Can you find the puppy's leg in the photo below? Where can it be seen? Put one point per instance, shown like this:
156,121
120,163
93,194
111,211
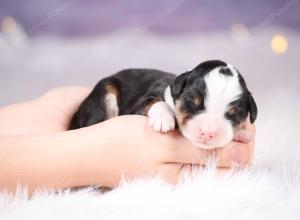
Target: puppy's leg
111,101
161,117
100,105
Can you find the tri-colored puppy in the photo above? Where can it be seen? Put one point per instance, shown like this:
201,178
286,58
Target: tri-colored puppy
208,104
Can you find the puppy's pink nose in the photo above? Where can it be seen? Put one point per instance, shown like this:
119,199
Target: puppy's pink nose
207,135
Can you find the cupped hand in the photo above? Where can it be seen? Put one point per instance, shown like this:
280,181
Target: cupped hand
130,148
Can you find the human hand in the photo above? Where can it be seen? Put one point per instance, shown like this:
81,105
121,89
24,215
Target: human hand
46,114
133,149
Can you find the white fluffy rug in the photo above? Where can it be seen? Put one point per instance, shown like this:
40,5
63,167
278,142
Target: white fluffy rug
255,194
269,190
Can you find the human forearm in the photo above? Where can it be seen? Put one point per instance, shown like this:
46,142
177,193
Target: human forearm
55,161
93,155
37,161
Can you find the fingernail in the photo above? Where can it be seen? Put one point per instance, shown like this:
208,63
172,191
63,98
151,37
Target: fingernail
239,155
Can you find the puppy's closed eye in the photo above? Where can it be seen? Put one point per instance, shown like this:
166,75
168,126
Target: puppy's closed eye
232,111
198,101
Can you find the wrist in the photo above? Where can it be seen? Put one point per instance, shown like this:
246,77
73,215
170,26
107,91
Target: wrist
95,146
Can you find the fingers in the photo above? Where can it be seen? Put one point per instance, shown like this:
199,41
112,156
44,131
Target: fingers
250,143
243,144
246,133
249,127
243,136
67,98
234,154
180,150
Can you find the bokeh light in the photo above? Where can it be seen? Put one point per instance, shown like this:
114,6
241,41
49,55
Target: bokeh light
8,24
239,32
279,44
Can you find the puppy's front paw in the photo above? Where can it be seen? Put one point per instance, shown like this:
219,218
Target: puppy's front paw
161,118
243,135
162,123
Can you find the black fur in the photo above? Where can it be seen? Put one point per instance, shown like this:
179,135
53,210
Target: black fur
207,66
137,88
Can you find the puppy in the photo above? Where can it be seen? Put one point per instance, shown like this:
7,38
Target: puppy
208,104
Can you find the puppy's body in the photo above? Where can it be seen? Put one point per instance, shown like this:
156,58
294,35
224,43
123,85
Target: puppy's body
127,92
208,103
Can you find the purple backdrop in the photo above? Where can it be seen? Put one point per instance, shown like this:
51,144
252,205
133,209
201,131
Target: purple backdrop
79,17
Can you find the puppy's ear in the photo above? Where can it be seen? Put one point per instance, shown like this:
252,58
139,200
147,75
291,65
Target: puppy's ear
178,85
252,108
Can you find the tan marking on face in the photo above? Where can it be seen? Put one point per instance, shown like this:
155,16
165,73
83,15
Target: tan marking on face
181,115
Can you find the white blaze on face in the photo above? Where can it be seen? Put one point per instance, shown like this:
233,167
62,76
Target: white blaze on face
211,127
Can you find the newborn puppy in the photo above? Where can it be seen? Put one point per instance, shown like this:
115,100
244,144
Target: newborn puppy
208,104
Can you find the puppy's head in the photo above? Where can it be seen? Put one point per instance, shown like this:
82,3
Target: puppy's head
210,102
